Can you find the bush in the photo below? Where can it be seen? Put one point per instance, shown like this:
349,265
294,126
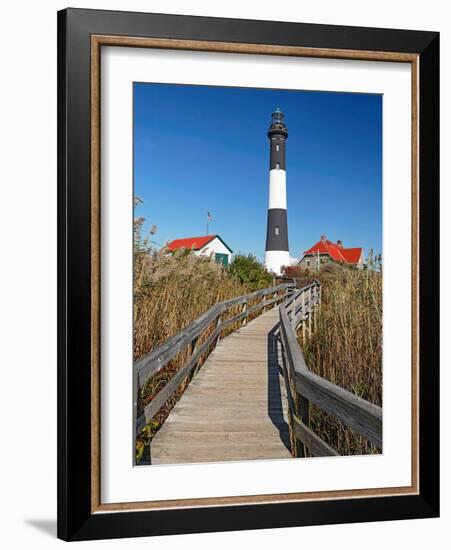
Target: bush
250,272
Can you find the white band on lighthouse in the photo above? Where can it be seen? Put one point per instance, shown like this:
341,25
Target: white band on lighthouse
277,189
276,259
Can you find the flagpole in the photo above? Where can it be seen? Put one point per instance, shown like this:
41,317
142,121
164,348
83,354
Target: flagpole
209,219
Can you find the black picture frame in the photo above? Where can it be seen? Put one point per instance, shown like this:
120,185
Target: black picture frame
76,520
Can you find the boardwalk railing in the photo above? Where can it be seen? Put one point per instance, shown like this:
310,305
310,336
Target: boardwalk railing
304,387
198,339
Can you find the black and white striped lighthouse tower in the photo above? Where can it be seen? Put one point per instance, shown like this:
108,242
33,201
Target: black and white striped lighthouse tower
277,253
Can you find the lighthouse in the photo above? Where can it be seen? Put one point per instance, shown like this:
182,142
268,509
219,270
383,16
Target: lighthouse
276,252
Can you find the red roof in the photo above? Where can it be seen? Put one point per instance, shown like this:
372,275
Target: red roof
336,251
352,255
191,243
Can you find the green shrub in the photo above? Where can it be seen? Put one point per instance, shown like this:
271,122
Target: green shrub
250,272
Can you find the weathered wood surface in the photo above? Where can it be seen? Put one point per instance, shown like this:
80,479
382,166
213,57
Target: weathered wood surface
253,389
154,361
150,363
302,432
235,408
358,414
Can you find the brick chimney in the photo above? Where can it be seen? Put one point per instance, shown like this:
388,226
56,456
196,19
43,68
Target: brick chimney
340,243
323,238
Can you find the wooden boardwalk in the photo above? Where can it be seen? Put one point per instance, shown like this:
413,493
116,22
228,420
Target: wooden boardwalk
243,398
235,408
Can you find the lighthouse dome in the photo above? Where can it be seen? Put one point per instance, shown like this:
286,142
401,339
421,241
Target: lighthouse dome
277,127
278,117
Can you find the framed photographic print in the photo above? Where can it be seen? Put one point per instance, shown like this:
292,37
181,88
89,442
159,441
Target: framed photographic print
248,274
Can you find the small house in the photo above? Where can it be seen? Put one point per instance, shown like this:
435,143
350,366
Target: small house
208,245
325,251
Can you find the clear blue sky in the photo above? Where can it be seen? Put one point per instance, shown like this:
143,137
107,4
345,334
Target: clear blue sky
202,148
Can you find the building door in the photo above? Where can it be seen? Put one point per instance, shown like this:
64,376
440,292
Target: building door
222,259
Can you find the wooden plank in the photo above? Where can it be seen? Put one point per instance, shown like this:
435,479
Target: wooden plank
302,302
166,393
234,409
246,313
358,414
154,361
247,421
315,444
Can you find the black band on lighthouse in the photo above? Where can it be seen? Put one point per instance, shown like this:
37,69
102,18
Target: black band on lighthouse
277,153
277,229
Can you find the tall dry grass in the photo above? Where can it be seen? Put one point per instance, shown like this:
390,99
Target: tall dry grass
347,349
171,291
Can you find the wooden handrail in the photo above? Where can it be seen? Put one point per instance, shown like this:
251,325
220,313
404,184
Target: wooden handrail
303,385
151,363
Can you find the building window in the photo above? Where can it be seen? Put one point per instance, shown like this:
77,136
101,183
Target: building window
276,230
277,147
277,165
308,263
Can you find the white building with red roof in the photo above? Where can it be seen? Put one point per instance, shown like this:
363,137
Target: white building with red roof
325,251
207,245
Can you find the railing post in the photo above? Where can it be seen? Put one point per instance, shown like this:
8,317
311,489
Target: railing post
244,322
304,316
302,411
304,415
193,344
135,410
314,306
310,314
196,366
318,303
298,447
292,403
293,313
218,322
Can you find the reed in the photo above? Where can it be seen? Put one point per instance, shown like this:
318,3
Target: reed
171,290
347,349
